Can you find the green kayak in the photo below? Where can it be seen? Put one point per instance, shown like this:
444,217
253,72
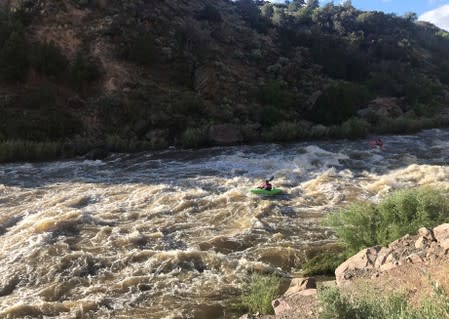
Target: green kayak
264,192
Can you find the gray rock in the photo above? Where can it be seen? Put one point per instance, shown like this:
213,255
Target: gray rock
382,107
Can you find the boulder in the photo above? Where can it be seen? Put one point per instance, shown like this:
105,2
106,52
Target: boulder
362,261
382,107
97,154
280,306
421,243
426,233
301,304
225,134
300,284
441,234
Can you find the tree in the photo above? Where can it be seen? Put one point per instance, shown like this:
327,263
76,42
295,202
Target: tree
251,14
295,5
14,57
248,9
209,13
267,10
411,16
347,4
48,58
313,4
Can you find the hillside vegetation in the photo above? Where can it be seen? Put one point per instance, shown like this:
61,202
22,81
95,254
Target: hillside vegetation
133,75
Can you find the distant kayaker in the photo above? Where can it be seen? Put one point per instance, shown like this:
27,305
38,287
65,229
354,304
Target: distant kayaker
380,143
377,143
266,185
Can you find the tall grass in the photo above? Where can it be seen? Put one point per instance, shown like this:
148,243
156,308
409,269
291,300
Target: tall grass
18,150
365,224
262,290
334,305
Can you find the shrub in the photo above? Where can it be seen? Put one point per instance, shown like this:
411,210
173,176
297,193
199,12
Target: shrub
334,305
194,137
323,264
383,84
421,89
399,125
338,103
355,128
274,94
286,131
143,50
39,118
319,131
40,97
365,224
116,143
20,150
262,290
252,15
337,306
84,70
48,58
14,57
209,13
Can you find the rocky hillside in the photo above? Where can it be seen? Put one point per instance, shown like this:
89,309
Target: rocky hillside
135,74
411,265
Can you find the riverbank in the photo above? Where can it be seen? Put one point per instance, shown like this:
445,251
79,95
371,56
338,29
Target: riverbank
229,135
406,279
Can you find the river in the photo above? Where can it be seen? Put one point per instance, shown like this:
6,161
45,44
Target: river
175,234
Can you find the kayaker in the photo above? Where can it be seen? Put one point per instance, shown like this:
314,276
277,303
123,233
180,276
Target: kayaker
380,143
266,185
377,143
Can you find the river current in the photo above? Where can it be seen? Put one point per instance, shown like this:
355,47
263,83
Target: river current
175,234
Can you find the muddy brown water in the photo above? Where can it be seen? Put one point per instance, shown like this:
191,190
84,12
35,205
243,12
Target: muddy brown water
175,234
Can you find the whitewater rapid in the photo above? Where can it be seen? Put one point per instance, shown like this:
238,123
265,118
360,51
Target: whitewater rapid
175,234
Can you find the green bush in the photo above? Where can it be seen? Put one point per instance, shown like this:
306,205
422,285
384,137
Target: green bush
116,143
324,263
84,70
39,118
48,58
209,13
403,212
20,150
338,103
337,306
251,14
14,62
334,305
400,125
262,290
355,128
286,131
421,89
143,50
194,137
275,94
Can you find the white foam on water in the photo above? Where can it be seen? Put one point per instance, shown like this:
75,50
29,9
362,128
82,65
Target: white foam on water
168,230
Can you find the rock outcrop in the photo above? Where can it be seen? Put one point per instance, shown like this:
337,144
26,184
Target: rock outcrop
409,257
425,247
